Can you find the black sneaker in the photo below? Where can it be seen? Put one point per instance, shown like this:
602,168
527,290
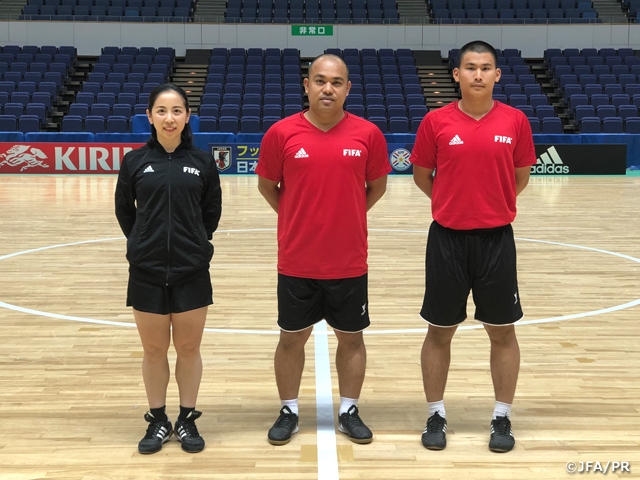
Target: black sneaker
188,435
157,434
502,439
434,436
285,426
351,424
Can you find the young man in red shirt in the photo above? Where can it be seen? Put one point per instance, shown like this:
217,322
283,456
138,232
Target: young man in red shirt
481,152
321,170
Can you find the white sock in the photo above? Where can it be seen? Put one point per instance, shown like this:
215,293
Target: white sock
502,410
437,407
292,404
346,403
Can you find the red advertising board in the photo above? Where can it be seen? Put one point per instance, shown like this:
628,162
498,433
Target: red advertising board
65,158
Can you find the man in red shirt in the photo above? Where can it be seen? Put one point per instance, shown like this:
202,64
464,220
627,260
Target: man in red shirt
481,152
321,170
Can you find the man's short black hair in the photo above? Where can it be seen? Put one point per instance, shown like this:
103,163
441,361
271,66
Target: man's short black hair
477,46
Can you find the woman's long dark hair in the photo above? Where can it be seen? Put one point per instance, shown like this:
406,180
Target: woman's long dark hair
186,137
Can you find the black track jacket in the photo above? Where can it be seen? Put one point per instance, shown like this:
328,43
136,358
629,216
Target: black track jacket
168,206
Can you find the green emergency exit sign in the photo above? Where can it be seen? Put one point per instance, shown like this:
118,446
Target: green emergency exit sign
312,30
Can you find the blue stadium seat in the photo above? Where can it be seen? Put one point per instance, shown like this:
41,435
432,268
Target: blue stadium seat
117,124
29,123
592,89
79,110
21,97
15,109
632,125
590,125
398,125
94,124
37,109
128,99
208,124
583,111
121,110
627,111
72,123
250,124
113,88
544,111
612,125
538,99
7,87
620,99
604,111
33,77
269,121
43,98
8,123
228,124
100,109
380,122
107,98
551,125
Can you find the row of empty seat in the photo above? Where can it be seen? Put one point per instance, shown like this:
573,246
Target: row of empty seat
107,10
512,11
515,4
311,11
521,15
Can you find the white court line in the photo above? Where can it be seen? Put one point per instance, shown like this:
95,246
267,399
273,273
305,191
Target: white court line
49,247
327,451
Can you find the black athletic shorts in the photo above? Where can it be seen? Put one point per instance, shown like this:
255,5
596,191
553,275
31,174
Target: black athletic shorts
166,299
482,261
343,303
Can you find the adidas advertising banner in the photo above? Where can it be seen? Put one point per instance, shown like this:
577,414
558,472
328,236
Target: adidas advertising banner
52,158
571,159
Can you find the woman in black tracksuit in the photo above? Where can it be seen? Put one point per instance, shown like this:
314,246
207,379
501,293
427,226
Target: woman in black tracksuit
168,204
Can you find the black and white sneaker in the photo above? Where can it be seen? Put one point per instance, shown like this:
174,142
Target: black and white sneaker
188,435
502,439
286,425
351,424
157,434
434,436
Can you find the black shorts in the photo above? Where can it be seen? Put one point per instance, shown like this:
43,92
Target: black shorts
343,303
482,261
166,299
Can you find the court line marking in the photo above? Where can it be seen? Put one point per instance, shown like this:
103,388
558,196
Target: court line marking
326,430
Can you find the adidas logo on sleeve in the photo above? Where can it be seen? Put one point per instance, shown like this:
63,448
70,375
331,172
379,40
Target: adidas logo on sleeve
301,154
456,141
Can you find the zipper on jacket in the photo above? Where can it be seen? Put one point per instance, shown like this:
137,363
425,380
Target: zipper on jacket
168,221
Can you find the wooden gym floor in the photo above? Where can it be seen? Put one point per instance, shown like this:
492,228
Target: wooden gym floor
71,392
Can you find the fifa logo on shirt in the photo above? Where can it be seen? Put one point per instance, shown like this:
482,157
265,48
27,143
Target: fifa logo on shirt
348,152
191,170
501,139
